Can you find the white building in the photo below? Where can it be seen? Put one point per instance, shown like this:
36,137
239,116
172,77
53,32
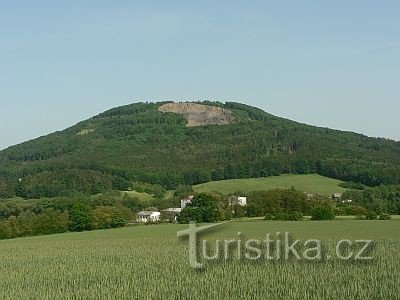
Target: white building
148,216
240,201
186,201
171,214
337,196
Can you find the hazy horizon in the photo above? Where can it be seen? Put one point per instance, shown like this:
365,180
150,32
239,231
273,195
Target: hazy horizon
333,65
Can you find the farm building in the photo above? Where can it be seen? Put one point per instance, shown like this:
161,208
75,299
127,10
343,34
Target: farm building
235,200
186,201
337,196
148,216
170,214
309,196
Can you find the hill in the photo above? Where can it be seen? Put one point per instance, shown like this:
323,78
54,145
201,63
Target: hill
310,183
169,144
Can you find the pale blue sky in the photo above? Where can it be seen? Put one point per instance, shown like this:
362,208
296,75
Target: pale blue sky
328,63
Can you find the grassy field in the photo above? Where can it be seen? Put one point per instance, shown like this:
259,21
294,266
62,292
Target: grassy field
311,183
143,197
148,262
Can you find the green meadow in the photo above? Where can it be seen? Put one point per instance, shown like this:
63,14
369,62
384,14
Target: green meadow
143,197
310,183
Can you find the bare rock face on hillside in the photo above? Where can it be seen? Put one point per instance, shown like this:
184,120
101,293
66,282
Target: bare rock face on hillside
199,114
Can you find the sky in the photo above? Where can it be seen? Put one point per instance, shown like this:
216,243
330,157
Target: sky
328,63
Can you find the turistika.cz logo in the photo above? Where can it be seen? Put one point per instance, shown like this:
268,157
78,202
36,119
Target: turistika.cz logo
274,247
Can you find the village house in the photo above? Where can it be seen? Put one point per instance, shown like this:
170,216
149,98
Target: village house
148,216
170,214
308,195
237,201
186,201
337,196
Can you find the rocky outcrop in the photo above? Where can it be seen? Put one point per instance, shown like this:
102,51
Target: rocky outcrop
199,114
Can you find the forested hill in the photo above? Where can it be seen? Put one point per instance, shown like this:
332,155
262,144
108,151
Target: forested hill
143,143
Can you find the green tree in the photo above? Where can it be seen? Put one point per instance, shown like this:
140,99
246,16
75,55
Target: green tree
371,215
183,190
190,214
117,219
385,217
203,209
295,216
322,213
80,217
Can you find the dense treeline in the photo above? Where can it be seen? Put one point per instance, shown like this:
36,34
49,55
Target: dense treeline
20,218
110,209
115,209
382,199
30,224
276,204
53,184
292,205
282,201
362,201
136,143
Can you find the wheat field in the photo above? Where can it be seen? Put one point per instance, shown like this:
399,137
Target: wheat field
149,262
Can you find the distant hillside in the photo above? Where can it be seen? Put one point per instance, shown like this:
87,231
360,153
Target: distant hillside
146,143
310,183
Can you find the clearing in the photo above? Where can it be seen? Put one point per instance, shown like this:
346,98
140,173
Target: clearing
310,183
200,114
143,197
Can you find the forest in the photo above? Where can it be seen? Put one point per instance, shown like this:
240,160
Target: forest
137,143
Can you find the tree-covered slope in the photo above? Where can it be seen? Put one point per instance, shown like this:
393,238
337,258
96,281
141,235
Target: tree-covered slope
139,143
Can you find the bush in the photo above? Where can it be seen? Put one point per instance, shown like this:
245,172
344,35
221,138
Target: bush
371,215
353,185
385,217
340,211
104,217
269,217
355,210
253,211
295,216
282,216
322,213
